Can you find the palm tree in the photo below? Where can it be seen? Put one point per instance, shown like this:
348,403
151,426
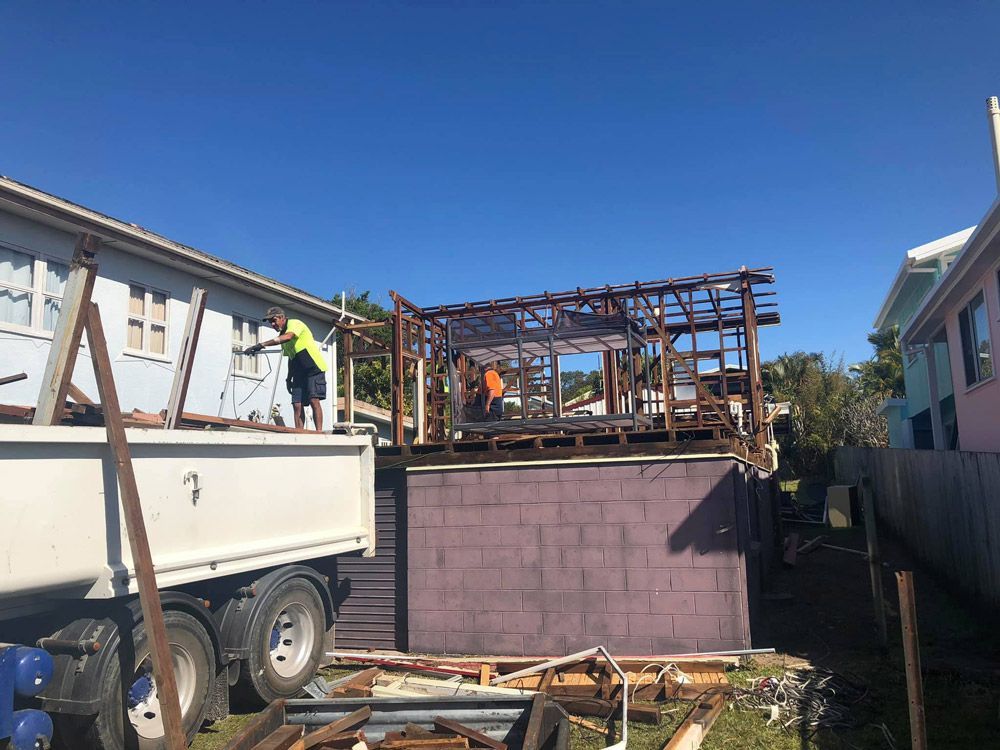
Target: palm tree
883,373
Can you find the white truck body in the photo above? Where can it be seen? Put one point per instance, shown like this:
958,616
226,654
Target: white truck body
215,503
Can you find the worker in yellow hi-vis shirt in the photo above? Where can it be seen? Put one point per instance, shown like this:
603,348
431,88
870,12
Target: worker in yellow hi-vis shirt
306,379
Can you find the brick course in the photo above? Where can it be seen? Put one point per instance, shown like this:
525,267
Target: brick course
548,560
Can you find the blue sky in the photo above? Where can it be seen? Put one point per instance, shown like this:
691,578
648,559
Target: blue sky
458,151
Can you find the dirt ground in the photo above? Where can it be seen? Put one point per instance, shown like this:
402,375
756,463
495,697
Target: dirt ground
821,614
830,622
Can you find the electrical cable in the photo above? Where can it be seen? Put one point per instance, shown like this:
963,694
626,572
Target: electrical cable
810,700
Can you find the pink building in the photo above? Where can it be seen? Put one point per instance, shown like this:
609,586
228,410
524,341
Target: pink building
962,312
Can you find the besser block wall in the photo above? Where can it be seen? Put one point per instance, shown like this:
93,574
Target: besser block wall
642,558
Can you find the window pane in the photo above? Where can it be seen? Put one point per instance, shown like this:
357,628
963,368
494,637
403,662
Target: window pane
252,365
981,325
157,339
137,300
16,268
50,313
968,351
237,331
15,307
135,334
159,311
55,277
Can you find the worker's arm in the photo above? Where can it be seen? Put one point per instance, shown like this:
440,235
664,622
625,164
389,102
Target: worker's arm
286,336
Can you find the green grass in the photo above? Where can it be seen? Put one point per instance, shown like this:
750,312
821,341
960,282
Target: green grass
218,734
735,728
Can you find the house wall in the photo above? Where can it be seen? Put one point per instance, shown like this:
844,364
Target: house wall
546,559
915,375
144,382
977,407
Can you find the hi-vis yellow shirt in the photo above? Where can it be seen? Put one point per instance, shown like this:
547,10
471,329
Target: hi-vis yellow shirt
302,351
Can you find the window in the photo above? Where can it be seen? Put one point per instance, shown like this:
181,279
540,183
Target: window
974,328
245,333
147,321
31,289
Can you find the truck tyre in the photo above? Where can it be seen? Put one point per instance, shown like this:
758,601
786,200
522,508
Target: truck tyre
284,642
139,726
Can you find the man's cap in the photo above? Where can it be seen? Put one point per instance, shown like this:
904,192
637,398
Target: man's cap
274,312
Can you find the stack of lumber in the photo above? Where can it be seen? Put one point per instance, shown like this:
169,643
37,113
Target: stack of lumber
348,733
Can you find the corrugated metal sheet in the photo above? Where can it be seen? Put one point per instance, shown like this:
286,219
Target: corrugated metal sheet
370,596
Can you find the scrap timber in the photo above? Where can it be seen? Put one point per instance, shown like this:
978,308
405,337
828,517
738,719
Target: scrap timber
582,686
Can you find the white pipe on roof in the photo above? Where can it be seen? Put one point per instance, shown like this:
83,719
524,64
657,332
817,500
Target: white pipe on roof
993,110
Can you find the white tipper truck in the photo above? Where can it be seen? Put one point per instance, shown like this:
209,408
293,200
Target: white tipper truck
243,528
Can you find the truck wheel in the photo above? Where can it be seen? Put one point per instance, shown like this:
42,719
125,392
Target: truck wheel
284,642
140,725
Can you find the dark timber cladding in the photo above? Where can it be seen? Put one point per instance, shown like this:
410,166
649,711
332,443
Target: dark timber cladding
677,354
370,593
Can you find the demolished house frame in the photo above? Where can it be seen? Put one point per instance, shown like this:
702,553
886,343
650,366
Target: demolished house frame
695,366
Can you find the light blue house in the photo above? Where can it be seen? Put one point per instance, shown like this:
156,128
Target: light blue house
910,418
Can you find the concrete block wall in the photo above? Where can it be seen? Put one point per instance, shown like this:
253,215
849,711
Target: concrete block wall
642,558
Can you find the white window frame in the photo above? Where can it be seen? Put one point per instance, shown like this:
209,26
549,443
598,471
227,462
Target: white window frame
37,291
148,322
243,343
966,309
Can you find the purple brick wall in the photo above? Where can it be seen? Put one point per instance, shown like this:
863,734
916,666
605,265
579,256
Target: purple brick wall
548,560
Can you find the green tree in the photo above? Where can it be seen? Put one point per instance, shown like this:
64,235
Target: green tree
818,390
882,375
829,408
577,384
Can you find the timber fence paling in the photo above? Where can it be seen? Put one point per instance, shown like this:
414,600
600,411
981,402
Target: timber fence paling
944,505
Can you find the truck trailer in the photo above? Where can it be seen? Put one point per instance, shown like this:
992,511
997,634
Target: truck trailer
244,529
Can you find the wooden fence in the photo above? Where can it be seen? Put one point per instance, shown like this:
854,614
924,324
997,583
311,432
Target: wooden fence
944,505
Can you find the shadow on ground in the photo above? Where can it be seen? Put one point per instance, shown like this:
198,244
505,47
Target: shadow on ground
830,622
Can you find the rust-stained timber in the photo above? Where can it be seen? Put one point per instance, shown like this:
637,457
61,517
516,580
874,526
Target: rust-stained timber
185,360
69,331
692,731
79,396
149,595
911,653
475,738
282,738
349,723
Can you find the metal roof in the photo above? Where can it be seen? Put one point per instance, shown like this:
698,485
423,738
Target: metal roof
29,201
914,258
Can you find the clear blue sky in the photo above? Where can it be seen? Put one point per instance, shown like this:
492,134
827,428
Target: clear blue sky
460,151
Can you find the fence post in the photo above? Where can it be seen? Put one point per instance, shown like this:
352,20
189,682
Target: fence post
874,560
911,653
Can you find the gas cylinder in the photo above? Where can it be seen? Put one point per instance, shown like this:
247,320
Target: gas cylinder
32,730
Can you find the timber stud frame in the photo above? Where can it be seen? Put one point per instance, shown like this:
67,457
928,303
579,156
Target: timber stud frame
696,357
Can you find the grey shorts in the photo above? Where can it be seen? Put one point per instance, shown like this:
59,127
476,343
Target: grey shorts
305,388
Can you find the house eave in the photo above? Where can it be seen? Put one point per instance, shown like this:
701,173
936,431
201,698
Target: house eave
929,317
58,212
913,257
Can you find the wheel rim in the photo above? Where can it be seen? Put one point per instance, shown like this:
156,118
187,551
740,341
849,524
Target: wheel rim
291,640
143,701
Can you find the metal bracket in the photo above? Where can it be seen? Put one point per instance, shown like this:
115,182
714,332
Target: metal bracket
196,488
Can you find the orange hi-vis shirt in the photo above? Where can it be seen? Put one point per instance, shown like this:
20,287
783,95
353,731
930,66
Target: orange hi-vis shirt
493,383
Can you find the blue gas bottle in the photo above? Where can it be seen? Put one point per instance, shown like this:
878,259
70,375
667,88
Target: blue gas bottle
32,671
24,673
32,730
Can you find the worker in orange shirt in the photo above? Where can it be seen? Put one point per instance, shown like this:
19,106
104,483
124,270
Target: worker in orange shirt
492,394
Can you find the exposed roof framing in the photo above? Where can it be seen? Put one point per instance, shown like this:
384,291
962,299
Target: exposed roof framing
678,354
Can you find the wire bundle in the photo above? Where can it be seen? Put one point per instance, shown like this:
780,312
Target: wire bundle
811,699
